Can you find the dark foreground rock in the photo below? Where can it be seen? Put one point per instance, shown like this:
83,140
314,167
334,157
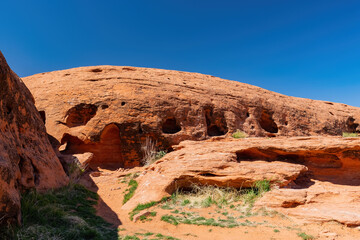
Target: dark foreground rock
27,159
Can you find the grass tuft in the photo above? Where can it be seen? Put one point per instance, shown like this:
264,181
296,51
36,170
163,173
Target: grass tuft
305,236
130,191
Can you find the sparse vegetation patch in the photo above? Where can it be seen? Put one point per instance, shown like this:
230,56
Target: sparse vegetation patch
223,198
147,235
130,191
305,236
346,134
239,134
144,206
205,196
66,213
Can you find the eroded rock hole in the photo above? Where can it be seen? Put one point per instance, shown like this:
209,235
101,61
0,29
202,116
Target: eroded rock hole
8,109
267,122
43,116
215,122
80,114
104,106
108,152
170,126
214,130
208,175
351,125
308,158
96,70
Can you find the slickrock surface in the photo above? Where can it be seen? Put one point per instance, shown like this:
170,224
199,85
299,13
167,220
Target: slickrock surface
110,111
321,174
27,159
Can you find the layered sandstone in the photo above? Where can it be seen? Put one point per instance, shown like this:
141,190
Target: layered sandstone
318,177
27,159
110,111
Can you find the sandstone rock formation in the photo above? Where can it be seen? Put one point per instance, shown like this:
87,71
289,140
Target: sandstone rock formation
110,111
321,174
27,159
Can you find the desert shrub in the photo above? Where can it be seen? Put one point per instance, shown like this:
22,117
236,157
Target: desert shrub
66,213
346,134
239,134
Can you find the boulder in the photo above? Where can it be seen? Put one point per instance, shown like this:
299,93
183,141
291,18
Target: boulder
111,111
27,159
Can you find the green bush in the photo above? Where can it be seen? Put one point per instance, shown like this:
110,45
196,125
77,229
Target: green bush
346,134
239,134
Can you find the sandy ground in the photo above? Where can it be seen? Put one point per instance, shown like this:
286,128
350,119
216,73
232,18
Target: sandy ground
262,226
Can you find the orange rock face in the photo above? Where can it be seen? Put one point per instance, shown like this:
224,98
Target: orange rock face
110,111
321,175
27,159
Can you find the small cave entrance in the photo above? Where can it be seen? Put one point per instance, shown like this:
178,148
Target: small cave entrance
43,116
108,152
254,154
80,114
116,146
267,122
351,125
215,123
214,130
319,160
171,126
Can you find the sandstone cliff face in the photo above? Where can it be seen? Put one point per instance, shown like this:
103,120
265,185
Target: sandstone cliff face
110,111
27,159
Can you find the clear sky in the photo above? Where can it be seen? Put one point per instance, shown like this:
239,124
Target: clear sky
299,48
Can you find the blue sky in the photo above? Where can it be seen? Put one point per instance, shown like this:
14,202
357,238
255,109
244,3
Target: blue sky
299,48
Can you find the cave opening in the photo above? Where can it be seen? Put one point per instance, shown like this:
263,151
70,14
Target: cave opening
214,130
351,125
267,122
215,123
308,158
108,152
170,126
80,114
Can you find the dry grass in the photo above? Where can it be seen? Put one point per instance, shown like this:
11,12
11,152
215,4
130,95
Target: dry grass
150,152
205,196
201,196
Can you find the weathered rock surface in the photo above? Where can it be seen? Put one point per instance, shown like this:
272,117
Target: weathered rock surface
110,111
321,174
322,201
27,159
